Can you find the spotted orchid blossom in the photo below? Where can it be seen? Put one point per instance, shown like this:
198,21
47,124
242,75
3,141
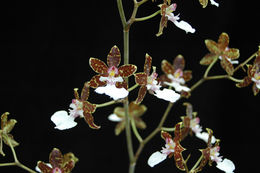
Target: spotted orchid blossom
80,107
149,82
175,76
190,121
110,80
253,75
211,154
135,113
167,14
58,163
172,148
220,50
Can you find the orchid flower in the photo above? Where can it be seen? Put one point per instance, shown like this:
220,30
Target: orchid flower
204,3
58,163
253,75
211,154
110,80
167,14
220,50
135,113
172,148
149,82
175,76
80,108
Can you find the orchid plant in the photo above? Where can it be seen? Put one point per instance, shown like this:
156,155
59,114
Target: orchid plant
112,81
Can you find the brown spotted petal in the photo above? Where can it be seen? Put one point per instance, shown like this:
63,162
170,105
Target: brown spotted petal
139,123
255,89
127,70
165,135
95,82
44,167
9,125
56,158
223,41
147,64
179,161
68,167
187,75
232,53
208,59
122,85
85,92
141,94
227,65
70,157
98,66
120,112
141,78
167,68
114,57
89,107
90,120
164,20
178,62
246,81
212,46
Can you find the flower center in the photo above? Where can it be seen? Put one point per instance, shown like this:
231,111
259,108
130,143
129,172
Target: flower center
178,73
56,170
257,76
152,78
112,71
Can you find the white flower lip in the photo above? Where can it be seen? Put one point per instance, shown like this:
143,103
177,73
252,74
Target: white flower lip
156,158
205,136
112,91
167,94
114,118
62,120
226,165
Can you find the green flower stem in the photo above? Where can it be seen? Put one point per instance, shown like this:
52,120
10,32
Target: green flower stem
246,61
138,136
133,87
209,67
197,163
168,129
147,17
16,161
107,103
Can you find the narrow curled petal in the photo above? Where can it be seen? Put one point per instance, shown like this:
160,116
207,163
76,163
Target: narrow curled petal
147,64
156,158
167,94
184,26
62,120
112,91
141,94
90,120
226,165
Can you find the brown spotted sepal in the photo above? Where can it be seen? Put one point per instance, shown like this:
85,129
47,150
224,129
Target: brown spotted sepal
88,108
253,75
164,18
5,136
58,162
220,50
110,73
135,113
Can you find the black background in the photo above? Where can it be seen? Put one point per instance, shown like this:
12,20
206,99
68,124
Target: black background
45,48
